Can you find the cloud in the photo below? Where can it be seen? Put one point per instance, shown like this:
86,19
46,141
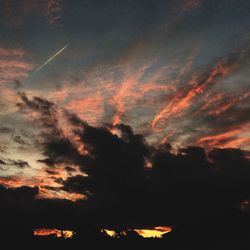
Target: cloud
178,99
226,139
5,130
15,163
200,84
13,65
190,5
17,13
19,163
120,173
11,52
115,169
53,11
19,140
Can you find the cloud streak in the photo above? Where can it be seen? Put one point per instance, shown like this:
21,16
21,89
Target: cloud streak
13,65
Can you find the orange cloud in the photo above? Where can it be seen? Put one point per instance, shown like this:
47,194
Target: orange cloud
121,100
165,139
49,188
15,181
132,90
210,100
230,102
237,143
122,95
13,65
11,52
232,138
89,108
181,101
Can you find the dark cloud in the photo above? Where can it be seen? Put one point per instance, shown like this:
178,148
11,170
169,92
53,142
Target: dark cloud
18,139
15,163
47,161
17,84
61,150
115,170
123,190
145,45
23,213
2,162
5,130
50,171
38,104
69,169
20,163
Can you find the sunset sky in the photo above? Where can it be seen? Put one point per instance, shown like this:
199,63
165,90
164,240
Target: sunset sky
124,76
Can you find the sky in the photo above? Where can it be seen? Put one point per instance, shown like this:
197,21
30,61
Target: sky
126,78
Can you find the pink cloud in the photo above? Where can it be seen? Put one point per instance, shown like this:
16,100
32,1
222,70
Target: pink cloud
13,66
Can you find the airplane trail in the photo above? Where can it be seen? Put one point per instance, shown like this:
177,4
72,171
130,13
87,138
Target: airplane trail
51,58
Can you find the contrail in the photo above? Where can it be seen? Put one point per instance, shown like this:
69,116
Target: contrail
51,58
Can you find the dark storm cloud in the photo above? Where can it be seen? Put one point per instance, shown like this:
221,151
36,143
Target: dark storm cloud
177,186
61,150
56,146
23,212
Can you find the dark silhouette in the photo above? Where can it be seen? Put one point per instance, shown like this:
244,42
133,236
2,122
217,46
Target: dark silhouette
191,190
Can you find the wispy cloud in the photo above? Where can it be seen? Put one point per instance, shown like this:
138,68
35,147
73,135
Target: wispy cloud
13,65
53,11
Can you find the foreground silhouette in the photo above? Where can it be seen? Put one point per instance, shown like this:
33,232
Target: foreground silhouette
226,229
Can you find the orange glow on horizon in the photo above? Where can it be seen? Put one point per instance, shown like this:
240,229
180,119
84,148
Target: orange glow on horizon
43,232
148,164
110,233
155,232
